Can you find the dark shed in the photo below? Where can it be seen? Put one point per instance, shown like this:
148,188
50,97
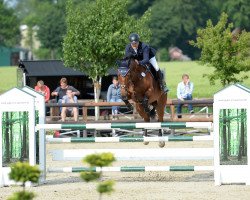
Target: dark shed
51,71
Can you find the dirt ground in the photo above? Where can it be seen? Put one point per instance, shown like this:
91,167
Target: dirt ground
135,185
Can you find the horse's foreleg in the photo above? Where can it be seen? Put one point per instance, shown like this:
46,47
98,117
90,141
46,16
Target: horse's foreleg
145,105
127,103
145,116
160,108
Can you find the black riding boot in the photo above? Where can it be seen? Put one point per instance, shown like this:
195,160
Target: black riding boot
162,82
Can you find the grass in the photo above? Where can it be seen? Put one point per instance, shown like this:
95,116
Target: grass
202,87
173,70
8,78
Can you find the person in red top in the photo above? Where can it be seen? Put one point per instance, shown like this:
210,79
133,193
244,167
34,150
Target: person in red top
44,89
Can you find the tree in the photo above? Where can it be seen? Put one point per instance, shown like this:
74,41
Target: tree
174,23
218,50
52,29
45,20
238,11
139,7
97,35
9,31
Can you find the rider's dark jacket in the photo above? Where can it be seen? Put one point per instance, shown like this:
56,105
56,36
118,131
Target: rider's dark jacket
143,55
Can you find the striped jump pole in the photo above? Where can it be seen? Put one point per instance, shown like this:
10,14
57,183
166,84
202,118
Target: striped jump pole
128,139
131,169
137,154
126,125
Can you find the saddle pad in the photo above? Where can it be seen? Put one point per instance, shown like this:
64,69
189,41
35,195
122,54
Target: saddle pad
123,71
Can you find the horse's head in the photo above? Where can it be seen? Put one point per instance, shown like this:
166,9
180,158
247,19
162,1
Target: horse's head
123,77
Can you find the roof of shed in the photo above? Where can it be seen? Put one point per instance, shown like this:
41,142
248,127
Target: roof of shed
51,68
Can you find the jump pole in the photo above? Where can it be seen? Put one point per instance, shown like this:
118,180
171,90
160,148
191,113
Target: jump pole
137,154
131,169
128,139
128,125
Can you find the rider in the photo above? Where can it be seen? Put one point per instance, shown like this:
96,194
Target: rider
144,54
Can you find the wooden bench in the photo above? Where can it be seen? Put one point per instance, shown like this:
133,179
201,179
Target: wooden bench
85,105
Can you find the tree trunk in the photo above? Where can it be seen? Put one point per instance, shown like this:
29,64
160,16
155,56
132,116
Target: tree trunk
229,134
97,92
7,138
242,130
52,54
224,136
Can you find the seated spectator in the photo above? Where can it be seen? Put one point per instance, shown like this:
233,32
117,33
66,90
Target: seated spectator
43,89
114,95
184,92
60,91
69,111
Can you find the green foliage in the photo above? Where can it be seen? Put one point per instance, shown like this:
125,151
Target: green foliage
90,176
9,26
23,195
139,7
162,55
175,22
23,172
52,29
100,160
106,187
97,35
228,57
238,11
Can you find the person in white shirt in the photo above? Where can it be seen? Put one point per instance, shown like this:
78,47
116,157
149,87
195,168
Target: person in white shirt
69,111
184,92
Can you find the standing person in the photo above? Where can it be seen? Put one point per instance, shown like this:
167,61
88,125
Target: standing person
69,111
43,89
61,90
184,92
114,94
144,54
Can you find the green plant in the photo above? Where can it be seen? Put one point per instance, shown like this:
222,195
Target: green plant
99,160
227,53
24,172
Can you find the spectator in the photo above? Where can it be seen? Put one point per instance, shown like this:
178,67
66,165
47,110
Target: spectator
69,111
184,92
43,89
114,95
60,91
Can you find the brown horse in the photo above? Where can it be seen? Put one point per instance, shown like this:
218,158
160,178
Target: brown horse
138,83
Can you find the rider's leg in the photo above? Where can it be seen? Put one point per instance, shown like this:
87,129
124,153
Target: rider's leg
159,74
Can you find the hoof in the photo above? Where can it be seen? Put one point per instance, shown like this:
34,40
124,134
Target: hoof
145,143
161,144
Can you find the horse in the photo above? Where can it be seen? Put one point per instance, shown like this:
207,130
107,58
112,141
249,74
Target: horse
138,83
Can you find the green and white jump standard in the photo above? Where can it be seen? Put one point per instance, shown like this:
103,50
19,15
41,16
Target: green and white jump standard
128,125
128,139
131,169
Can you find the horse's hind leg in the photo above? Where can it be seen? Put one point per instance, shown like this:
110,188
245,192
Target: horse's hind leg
145,116
160,108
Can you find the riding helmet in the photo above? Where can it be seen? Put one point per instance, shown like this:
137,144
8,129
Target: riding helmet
134,37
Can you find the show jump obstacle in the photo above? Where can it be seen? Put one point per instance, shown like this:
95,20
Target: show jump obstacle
231,152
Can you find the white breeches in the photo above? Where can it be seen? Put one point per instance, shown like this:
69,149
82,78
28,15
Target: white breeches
154,63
